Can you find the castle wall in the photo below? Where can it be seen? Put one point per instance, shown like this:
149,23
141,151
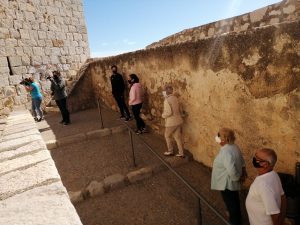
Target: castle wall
248,81
37,37
286,10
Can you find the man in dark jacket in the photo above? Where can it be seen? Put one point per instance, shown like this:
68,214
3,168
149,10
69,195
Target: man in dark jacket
118,88
59,92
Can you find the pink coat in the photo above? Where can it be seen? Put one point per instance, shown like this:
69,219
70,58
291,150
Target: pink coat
136,94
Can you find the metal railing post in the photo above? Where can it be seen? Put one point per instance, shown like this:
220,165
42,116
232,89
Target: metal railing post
132,147
199,212
100,113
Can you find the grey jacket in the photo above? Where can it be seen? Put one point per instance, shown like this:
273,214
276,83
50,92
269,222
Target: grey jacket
58,88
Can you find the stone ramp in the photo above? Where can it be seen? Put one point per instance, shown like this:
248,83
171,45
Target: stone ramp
31,191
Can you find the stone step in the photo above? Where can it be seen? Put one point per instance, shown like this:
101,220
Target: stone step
116,181
53,144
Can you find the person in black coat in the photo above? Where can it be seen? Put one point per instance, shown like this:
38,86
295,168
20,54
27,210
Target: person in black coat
118,88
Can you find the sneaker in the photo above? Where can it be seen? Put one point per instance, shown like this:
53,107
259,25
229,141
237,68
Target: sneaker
35,119
40,119
138,132
168,153
66,123
179,155
122,117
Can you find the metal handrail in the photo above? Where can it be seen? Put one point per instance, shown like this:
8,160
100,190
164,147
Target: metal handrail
198,195
186,183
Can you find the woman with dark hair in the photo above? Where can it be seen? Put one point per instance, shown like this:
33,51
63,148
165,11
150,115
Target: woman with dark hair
36,99
136,102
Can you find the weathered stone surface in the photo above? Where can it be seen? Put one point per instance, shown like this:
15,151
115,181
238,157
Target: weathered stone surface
32,38
19,181
51,144
71,139
20,134
13,144
75,196
10,166
114,181
95,188
98,133
246,81
140,174
47,205
23,150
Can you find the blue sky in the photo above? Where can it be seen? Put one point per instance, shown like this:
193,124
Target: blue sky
118,26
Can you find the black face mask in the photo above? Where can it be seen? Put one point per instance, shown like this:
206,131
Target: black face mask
255,163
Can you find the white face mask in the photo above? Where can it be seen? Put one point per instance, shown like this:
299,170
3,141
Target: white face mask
164,93
218,139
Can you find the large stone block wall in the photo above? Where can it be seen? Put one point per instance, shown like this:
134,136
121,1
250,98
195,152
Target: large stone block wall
248,81
286,10
37,37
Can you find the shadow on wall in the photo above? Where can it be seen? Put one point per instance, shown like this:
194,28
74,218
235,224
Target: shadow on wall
249,82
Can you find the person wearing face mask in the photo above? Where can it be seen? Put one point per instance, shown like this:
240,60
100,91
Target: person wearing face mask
228,173
266,202
172,114
136,102
59,93
118,88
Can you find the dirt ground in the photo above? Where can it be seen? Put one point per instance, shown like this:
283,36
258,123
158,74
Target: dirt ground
161,199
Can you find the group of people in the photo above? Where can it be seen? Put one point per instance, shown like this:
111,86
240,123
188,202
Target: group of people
172,112
265,202
58,91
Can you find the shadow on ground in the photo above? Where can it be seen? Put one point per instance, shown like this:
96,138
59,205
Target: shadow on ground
161,199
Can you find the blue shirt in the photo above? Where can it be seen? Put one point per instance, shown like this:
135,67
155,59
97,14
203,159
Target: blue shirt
227,168
35,92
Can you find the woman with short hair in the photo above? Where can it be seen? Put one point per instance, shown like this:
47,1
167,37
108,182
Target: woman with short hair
228,172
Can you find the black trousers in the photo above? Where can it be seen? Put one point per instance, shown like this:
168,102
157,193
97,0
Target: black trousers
62,105
232,202
121,104
136,109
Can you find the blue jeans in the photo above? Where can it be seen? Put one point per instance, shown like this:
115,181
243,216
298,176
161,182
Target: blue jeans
36,107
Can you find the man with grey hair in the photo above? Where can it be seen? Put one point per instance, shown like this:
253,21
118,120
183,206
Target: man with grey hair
266,202
173,121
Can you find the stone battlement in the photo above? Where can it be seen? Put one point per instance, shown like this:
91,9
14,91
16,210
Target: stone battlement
287,10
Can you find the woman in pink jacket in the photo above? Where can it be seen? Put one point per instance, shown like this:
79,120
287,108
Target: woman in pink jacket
136,102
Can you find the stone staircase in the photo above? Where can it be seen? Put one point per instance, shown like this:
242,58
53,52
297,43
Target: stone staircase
31,191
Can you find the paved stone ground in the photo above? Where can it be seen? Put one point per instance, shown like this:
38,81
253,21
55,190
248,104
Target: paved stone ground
162,199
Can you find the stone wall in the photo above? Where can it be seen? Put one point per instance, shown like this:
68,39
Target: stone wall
248,81
286,10
37,37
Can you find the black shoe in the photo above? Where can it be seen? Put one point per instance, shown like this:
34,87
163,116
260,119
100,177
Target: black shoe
128,119
62,121
66,123
138,132
144,130
40,119
36,119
